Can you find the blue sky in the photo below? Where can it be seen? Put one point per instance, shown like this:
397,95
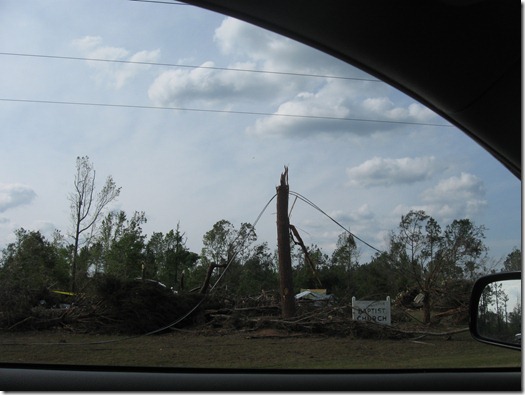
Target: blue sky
197,167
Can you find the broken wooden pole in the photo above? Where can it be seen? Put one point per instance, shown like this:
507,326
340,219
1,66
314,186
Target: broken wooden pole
283,248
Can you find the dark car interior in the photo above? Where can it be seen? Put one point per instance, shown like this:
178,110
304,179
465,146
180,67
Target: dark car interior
460,58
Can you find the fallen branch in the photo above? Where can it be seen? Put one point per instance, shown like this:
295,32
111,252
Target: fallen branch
19,323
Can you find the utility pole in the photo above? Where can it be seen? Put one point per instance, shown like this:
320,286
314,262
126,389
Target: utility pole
283,247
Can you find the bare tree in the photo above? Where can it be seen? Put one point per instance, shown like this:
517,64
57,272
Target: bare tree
86,207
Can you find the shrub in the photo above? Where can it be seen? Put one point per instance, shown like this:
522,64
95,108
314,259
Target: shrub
136,307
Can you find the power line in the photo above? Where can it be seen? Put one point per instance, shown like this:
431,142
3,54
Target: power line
304,199
187,66
160,2
252,230
205,110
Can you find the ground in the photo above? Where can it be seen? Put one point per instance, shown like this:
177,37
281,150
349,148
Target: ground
263,348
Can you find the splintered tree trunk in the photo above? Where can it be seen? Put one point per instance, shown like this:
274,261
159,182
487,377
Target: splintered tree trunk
283,247
206,284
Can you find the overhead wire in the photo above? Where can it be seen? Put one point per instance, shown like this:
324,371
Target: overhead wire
216,111
79,103
239,249
353,119
309,202
179,65
160,2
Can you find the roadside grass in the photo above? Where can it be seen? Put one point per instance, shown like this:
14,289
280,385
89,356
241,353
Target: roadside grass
243,350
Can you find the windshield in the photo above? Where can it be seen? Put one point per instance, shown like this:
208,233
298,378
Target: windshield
182,189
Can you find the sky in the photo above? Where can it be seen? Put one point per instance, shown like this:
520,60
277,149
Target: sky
192,138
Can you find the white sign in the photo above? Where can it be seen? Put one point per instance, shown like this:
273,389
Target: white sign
371,310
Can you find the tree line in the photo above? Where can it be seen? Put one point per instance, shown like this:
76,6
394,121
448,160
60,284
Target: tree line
424,258
496,319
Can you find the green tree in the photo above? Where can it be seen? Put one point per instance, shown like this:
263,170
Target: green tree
379,278
307,272
122,245
463,249
495,320
168,258
346,253
33,262
418,238
339,276
30,268
513,261
515,319
259,272
224,246
435,257
63,259
155,252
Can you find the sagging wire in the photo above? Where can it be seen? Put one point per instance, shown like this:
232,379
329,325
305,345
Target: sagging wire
239,249
309,202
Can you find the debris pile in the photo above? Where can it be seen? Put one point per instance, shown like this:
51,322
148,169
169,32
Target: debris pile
138,307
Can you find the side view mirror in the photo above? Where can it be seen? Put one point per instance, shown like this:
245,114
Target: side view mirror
495,310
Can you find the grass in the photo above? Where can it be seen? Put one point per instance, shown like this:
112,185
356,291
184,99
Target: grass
252,350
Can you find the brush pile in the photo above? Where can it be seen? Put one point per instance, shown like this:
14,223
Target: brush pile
137,307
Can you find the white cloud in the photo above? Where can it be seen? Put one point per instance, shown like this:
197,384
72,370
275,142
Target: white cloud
206,86
330,101
457,196
248,48
116,73
452,198
350,101
234,37
363,213
251,48
46,228
465,187
14,195
355,118
377,104
271,51
421,113
385,171
384,108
